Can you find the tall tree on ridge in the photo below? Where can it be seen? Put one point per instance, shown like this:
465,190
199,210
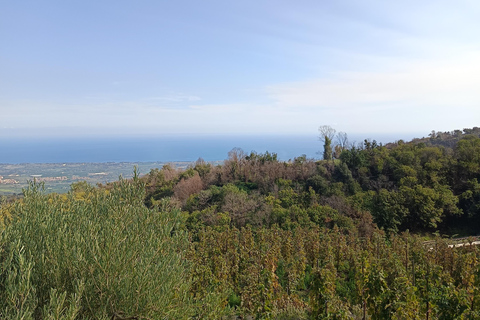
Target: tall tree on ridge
327,134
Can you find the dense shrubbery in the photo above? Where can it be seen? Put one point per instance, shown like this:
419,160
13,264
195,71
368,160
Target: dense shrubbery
256,223
257,237
320,273
93,254
402,186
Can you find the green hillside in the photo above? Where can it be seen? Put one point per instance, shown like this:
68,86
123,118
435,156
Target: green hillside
363,234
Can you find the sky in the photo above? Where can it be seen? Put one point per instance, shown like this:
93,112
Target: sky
117,67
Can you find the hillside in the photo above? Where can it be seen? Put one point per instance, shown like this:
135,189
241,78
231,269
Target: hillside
413,185
255,237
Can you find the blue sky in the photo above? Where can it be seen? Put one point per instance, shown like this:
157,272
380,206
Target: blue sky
238,67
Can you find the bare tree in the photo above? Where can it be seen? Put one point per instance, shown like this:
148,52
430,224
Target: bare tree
342,140
326,132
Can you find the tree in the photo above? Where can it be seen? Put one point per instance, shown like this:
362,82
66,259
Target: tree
327,134
342,140
342,144
327,149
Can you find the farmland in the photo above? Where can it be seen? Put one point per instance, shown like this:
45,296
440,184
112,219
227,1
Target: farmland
59,176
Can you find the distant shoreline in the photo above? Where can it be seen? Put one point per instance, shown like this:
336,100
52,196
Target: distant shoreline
159,149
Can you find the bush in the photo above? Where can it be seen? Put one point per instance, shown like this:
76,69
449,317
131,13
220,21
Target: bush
102,256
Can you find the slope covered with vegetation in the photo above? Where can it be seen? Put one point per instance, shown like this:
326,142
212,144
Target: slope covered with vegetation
92,254
416,186
339,238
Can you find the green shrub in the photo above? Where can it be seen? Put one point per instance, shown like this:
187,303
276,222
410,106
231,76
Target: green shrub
102,255
234,300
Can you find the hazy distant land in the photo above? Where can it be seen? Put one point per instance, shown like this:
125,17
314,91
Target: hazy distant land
59,176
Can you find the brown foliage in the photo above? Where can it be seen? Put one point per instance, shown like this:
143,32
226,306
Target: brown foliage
187,187
239,206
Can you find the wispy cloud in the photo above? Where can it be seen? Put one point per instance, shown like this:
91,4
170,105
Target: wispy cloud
248,67
406,96
175,98
453,82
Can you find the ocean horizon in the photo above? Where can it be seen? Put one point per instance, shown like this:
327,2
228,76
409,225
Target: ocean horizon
162,148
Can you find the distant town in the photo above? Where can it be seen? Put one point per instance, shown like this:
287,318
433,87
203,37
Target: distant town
7,181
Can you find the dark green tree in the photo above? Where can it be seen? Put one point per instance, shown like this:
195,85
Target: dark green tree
327,134
327,149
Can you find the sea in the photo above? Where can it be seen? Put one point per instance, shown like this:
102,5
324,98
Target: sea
162,148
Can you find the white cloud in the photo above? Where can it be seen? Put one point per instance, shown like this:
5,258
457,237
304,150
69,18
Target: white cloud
415,96
175,98
401,95
440,83
439,94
